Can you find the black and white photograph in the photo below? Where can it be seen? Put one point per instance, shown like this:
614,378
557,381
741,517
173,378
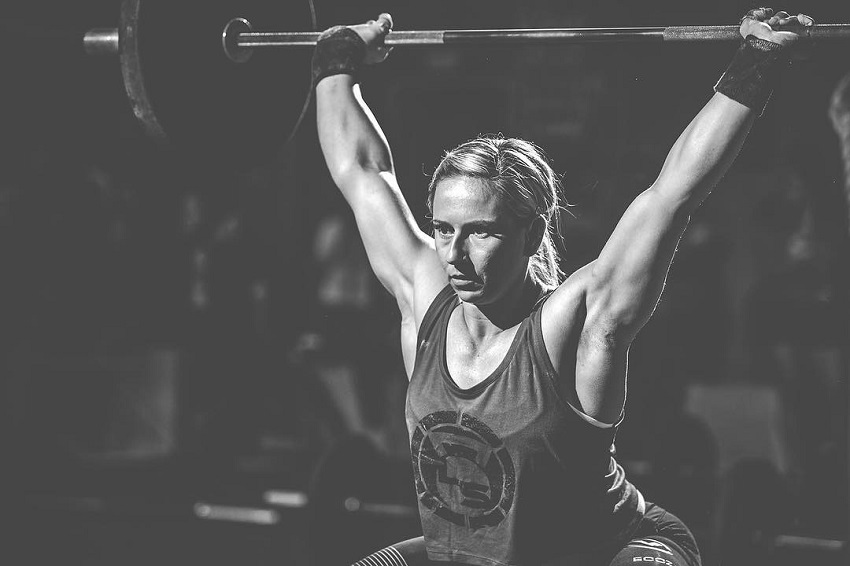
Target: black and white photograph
424,283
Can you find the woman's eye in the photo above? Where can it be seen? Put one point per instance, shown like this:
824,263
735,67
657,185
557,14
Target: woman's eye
442,230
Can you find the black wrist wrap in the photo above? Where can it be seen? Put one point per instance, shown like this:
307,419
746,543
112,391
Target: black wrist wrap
339,51
753,72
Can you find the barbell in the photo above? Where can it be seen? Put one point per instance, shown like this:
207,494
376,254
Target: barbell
203,82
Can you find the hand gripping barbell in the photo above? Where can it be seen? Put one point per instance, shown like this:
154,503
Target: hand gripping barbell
186,89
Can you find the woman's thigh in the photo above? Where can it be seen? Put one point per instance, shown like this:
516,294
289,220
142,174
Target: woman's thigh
662,539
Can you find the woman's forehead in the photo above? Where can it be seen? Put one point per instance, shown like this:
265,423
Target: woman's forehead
456,195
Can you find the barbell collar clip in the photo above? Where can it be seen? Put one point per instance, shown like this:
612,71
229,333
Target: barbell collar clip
236,28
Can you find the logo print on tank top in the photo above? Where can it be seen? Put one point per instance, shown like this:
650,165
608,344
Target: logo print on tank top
463,471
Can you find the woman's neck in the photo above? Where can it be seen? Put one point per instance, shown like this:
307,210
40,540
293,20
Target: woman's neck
485,321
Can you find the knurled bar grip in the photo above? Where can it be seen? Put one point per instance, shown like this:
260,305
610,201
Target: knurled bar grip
553,35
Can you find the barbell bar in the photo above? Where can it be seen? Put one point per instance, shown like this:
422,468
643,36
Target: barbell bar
238,37
701,34
238,33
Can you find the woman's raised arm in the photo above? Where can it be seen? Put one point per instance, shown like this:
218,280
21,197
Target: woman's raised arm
359,159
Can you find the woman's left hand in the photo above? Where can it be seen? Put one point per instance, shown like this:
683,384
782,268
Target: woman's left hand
778,27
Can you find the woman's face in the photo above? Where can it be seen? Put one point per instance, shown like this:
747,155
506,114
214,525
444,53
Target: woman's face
481,244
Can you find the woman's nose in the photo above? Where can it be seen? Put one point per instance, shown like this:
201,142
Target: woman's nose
457,250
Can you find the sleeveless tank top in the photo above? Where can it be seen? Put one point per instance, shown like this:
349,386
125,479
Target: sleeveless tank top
507,472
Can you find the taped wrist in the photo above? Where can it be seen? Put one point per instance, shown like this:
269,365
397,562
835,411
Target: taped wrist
340,50
753,72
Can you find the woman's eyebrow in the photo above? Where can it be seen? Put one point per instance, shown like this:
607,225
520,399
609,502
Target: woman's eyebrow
483,224
471,224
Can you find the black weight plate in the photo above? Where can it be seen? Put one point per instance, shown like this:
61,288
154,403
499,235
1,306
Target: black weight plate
189,95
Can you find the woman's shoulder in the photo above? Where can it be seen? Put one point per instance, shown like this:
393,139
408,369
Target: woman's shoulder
574,287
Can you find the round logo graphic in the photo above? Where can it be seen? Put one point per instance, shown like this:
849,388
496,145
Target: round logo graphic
463,471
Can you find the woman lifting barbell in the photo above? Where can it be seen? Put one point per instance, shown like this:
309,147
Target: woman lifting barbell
517,374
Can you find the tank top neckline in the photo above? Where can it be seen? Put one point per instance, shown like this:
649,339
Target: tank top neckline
479,387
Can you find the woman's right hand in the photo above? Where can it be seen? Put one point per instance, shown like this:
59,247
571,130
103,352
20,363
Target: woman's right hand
373,33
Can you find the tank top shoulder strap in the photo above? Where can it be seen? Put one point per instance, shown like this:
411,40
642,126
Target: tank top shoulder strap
535,334
441,302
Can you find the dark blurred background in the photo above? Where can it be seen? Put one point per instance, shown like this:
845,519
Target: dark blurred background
196,365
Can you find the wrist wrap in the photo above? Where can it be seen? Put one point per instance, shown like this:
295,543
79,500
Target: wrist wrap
340,50
753,73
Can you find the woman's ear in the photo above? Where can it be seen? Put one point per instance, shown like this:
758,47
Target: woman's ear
534,235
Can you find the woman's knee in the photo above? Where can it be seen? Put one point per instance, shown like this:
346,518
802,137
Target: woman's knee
406,553
656,551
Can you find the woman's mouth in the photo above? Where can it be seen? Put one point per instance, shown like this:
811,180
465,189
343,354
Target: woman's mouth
461,282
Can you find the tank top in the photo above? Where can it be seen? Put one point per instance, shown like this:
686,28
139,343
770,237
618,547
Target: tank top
508,472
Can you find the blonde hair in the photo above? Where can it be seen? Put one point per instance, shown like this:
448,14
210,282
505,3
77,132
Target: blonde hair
520,172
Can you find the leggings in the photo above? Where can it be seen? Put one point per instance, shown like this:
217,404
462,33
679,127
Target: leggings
661,539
